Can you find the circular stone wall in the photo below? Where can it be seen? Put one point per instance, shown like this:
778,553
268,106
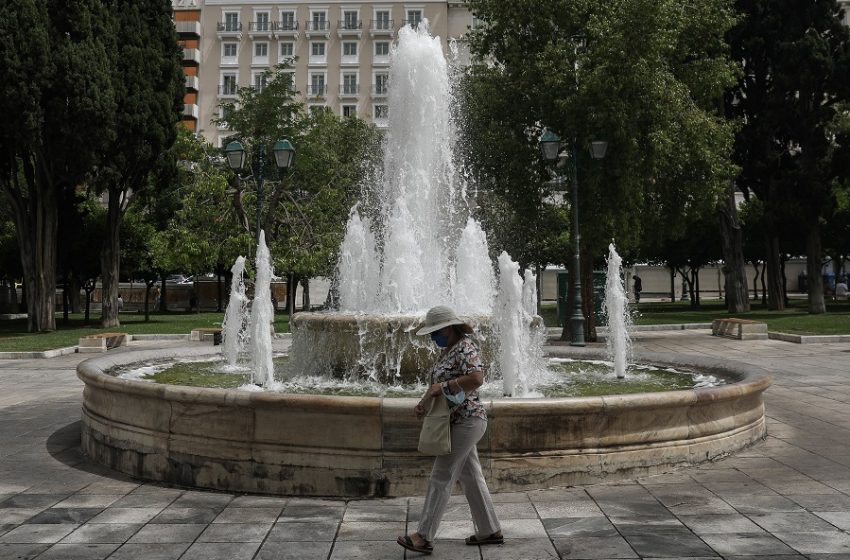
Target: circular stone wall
365,446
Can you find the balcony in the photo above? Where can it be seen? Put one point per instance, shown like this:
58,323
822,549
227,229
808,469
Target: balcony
192,83
349,90
263,29
379,90
228,29
414,23
191,111
228,91
382,27
316,90
192,56
188,28
318,28
349,28
286,29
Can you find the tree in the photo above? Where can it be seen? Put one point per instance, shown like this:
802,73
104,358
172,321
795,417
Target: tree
56,98
646,76
790,97
301,209
149,87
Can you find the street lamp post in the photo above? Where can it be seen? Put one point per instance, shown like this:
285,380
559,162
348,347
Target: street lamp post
550,147
284,153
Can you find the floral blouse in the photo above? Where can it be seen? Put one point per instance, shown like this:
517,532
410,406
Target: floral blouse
461,359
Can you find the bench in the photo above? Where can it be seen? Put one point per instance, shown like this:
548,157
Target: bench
206,334
740,329
101,342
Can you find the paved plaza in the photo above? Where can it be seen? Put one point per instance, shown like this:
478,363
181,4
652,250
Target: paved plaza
785,498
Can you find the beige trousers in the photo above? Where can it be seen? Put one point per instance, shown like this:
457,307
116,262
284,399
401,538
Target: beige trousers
461,465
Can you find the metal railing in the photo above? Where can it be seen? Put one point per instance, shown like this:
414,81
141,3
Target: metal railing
382,25
379,90
260,26
228,27
413,22
320,25
286,25
349,89
314,90
350,25
228,89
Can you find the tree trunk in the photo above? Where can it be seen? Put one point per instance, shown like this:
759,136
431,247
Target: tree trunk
13,298
65,302
735,268
756,280
587,304
291,281
148,287
784,281
163,306
696,287
763,284
110,261
813,256
36,226
305,294
76,304
773,270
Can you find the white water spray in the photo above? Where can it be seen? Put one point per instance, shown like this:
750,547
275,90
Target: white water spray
262,315
616,307
475,292
234,325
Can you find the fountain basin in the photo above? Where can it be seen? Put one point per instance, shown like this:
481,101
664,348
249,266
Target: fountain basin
365,446
369,344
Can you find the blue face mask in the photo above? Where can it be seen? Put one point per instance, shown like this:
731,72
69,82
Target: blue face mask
440,339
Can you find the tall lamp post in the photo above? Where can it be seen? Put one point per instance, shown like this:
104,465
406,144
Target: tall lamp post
283,152
550,146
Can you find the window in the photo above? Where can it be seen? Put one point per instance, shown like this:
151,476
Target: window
287,50
350,19
414,17
229,50
228,84
319,21
381,81
382,112
317,84
349,84
261,50
317,52
223,114
349,49
349,110
287,21
316,110
231,21
382,19
262,21
382,48
260,81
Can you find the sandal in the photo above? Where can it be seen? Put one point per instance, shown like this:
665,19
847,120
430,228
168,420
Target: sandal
495,538
408,543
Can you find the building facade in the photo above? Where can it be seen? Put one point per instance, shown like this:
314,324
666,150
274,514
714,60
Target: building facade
339,51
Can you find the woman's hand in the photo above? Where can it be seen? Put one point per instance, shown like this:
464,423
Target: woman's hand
435,390
419,410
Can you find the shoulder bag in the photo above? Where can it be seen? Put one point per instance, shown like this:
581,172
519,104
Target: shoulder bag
436,435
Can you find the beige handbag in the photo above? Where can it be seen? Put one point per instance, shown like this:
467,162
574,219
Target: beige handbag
436,435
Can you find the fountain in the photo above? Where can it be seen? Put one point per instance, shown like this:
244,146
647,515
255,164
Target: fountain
416,246
616,308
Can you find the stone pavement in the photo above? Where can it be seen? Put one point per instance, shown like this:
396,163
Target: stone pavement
785,498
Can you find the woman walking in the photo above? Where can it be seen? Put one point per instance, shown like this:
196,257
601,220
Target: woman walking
457,374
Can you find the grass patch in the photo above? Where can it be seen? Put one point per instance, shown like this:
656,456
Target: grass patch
795,319
15,338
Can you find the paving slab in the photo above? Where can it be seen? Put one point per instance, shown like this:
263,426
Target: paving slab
786,498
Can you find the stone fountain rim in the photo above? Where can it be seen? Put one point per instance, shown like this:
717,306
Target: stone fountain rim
747,378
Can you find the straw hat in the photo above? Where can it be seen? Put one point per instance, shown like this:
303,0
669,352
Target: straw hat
439,317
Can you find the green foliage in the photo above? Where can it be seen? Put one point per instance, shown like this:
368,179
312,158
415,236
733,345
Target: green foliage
204,230
303,210
646,76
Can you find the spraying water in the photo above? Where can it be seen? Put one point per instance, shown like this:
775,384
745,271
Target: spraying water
616,307
262,315
233,327
404,258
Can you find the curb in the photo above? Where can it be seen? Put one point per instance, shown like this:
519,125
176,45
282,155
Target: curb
809,338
